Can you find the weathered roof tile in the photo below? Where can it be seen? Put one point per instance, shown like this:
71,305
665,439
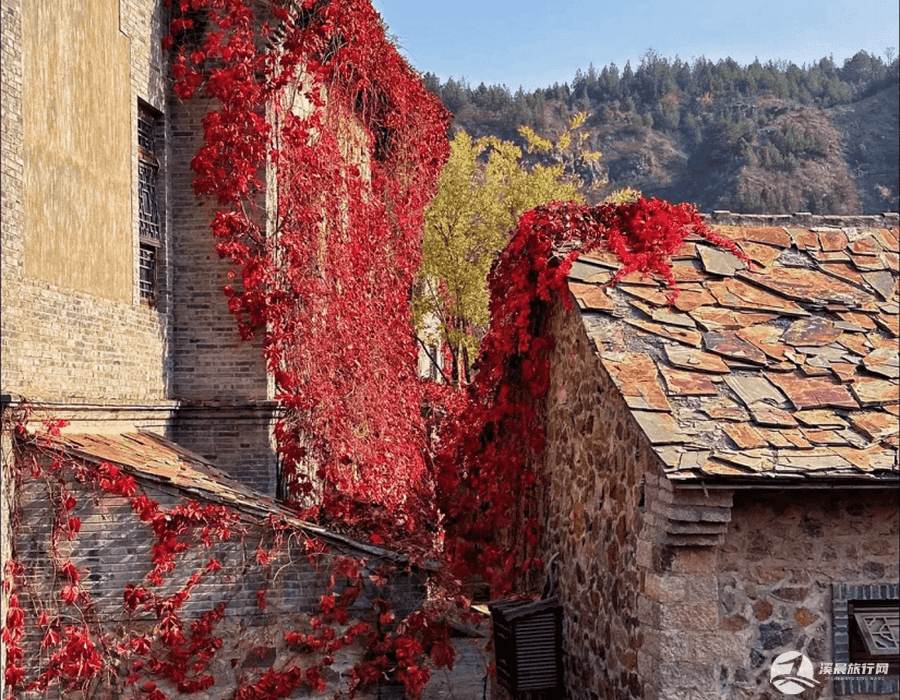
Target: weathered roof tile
845,372
687,383
869,459
856,343
692,359
682,335
723,408
754,389
812,460
635,375
744,436
592,297
875,392
714,318
820,418
889,322
729,346
857,319
815,330
869,263
824,437
772,416
664,315
875,424
785,438
660,428
720,262
806,285
736,294
843,271
765,255
764,337
803,239
884,361
866,245
887,238
813,393
809,352
833,239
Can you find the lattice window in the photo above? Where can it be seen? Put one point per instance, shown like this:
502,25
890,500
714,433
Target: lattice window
146,130
879,628
148,272
866,619
149,204
149,220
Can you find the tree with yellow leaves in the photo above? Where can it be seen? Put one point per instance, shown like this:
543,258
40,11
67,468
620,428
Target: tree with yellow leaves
483,190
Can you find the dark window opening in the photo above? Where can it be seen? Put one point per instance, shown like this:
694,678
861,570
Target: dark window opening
865,618
149,219
149,204
875,632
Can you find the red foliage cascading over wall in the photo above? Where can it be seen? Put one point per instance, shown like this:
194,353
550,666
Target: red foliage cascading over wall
326,276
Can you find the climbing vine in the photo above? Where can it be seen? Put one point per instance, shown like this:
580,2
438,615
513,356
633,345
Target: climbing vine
483,471
323,266
156,644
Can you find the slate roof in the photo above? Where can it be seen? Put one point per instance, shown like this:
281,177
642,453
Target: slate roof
786,368
151,457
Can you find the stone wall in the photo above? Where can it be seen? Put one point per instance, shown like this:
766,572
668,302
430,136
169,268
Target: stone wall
784,555
723,217
678,608
591,483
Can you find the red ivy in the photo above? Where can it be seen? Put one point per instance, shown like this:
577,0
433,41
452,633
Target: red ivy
357,144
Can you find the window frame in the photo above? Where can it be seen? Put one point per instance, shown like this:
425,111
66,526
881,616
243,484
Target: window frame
150,243
849,647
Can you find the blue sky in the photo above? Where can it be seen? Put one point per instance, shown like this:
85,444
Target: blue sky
534,44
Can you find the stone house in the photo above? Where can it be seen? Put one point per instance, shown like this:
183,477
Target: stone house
720,481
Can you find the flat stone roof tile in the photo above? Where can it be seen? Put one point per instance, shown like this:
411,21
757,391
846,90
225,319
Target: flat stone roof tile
802,284
592,297
875,392
832,239
788,369
681,335
813,393
815,330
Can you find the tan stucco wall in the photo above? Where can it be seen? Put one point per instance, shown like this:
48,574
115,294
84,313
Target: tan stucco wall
72,327
77,144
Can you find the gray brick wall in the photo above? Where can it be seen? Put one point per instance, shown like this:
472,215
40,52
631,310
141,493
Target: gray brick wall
226,412
114,546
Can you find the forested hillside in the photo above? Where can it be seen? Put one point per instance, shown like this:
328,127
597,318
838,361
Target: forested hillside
762,138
